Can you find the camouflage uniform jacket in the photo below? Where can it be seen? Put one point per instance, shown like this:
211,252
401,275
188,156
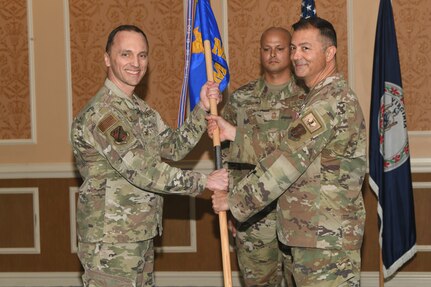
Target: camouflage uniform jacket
316,174
253,105
118,144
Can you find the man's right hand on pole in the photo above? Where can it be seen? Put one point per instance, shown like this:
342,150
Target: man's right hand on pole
218,180
219,200
227,131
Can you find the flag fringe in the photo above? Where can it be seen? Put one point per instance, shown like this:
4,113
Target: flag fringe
388,272
400,262
373,185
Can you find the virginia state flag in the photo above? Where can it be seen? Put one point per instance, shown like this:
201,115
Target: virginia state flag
308,9
205,28
390,174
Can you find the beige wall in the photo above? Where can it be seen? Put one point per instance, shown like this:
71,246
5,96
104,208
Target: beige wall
51,106
42,158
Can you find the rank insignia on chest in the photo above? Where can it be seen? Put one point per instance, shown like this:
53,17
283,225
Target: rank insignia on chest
311,122
119,135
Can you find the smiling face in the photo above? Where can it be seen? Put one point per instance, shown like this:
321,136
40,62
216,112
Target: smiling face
274,51
312,56
127,60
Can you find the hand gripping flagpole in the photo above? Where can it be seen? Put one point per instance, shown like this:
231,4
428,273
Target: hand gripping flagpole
224,236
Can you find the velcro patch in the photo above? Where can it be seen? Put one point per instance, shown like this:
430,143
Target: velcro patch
107,122
311,122
119,135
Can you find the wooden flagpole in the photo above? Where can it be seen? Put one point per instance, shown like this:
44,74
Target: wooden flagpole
224,235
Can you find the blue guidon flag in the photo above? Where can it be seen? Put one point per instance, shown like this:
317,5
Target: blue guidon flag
389,162
205,28
308,9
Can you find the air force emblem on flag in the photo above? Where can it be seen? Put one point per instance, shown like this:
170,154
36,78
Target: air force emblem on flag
394,146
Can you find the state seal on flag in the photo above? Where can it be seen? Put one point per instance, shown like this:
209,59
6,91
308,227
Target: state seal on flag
394,145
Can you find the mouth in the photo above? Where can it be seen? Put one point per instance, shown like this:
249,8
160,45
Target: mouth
133,72
299,65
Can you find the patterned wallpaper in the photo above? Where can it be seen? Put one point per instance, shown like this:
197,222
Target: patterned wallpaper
248,19
15,119
91,21
162,21
413,28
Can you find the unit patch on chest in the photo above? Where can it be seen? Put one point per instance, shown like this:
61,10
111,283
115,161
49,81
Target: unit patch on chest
297,132
119,135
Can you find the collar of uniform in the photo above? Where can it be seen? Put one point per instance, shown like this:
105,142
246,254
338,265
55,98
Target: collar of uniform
260,87
116,90
327,81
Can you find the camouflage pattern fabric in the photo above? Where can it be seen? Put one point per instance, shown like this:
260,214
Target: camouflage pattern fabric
118,144
315,267
117,265
316,174
255,105
259,258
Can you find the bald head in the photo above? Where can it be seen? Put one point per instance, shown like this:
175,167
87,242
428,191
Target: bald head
275,55
283,33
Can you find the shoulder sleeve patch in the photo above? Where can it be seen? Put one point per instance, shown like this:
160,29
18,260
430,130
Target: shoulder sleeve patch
107,122
311,122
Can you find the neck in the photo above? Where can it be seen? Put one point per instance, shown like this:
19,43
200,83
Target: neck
277,78
128,90
328,71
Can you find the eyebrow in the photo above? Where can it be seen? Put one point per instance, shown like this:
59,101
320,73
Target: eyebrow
276,45
301,44
130,51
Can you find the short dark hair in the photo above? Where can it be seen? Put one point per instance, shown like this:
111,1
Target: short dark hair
325,28
119,29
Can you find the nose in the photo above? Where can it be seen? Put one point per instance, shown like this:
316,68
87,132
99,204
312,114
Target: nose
135,61
272,53
294,55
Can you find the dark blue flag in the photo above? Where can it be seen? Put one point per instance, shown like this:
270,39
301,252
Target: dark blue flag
308,9
390,174
205,28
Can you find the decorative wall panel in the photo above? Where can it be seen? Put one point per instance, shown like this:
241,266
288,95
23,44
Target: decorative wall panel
248,19
90,23
162,21
20,206
412,24
15,116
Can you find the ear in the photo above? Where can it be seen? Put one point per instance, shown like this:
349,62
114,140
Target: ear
107,60
330,53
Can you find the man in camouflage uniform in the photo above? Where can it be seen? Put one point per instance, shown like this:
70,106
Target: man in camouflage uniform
270,103
118,142
317,172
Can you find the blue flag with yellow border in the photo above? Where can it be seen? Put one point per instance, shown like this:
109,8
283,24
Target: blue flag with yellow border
390,173
205,28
